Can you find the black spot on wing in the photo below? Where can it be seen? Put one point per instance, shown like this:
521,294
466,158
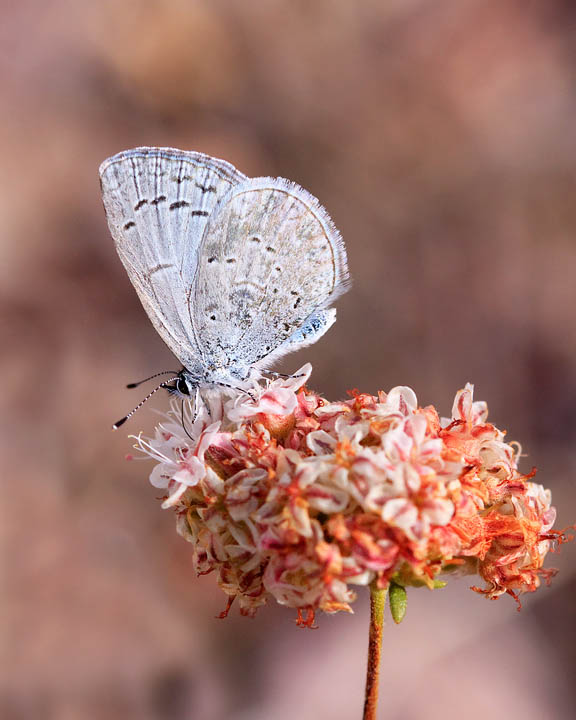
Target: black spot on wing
129,225
140,204
200,213
179,204
186,178
158,200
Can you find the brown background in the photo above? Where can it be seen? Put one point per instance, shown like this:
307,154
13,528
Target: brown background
440,136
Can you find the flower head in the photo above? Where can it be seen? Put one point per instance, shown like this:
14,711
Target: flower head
285,495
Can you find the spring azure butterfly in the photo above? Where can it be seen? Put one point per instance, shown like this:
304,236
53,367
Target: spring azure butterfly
234,272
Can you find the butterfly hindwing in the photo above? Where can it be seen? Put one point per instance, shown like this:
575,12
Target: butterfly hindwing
270,260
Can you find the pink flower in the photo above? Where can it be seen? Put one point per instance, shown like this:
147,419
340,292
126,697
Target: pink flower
278,398
286,495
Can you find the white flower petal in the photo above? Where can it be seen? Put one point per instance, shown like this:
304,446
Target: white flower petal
161,475
402,399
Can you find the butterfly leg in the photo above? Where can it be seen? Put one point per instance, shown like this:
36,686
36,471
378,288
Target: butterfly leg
184,421
239,389
196,404
281,375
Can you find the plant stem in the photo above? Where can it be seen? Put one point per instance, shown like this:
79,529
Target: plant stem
377,604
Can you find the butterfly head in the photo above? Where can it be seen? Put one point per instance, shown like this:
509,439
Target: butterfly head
184,385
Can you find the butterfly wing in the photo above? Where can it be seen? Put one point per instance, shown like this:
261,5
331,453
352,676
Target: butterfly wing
270,260
158,202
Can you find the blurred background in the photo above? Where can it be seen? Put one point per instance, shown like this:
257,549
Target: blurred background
441,138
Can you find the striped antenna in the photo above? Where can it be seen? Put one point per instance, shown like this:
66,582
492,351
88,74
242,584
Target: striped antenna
164,372
127,417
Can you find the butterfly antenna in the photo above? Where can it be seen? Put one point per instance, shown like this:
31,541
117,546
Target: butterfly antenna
127,417
164,372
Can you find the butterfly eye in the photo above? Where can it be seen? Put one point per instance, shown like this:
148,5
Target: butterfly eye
182,386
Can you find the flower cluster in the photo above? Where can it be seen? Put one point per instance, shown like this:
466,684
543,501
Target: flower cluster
284,494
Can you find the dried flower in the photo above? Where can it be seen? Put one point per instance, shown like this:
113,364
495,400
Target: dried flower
284,494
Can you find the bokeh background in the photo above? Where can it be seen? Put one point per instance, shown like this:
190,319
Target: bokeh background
441,137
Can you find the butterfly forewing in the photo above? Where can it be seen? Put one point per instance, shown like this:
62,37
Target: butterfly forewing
158,202
270,258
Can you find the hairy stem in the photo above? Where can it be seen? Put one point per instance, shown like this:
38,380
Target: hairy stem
377,604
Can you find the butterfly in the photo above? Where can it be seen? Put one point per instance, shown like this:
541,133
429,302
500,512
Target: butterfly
234,272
